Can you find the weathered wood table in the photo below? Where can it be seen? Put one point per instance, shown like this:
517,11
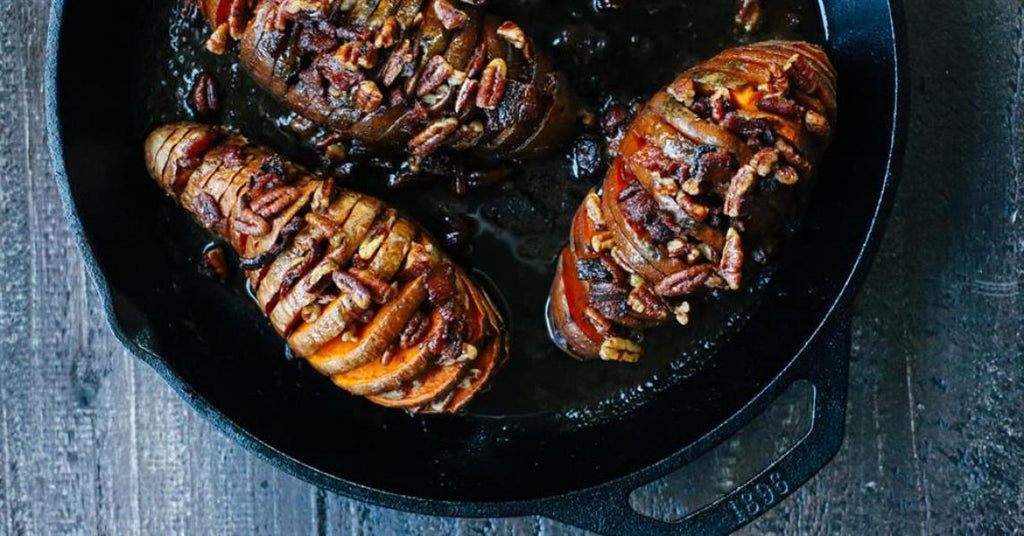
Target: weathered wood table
92,441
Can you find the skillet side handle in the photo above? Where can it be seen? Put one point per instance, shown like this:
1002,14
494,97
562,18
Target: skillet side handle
825,364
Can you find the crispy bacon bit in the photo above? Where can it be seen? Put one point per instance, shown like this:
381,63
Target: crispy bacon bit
755,131
207,209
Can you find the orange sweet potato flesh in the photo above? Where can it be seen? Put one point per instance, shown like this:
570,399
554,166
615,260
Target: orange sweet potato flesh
710,172
339,273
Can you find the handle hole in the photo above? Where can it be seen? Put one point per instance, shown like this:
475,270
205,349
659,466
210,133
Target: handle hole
733,463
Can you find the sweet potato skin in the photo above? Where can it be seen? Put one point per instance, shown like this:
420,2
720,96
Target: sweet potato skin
709,175
342,276
383,73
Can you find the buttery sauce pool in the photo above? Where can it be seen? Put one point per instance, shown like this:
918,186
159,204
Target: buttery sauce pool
519,226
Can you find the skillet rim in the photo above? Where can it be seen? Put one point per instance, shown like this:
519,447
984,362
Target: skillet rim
536,506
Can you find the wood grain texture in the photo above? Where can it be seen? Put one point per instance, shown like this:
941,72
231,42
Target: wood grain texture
91,441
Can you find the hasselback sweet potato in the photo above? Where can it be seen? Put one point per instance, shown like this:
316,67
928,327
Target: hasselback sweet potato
407,75
358,290
709,175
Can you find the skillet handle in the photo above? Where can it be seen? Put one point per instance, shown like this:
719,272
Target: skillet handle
825,365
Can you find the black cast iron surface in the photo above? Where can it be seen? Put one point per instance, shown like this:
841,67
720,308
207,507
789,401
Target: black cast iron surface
576,458
906,469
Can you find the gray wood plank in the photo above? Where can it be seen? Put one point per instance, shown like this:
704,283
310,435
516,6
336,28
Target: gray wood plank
92,442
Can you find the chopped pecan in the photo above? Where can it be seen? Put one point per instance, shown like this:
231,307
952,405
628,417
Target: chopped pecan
513,34
367,97
414,331
696,210
451,17
682,312
684,282
356,55
642,301
219,39
435,72
468,135
790,155
683,90
765,161
384,37
786,175
274,201
431,138
492,84
817,124
731,267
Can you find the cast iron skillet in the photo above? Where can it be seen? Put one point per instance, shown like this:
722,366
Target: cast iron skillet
579,463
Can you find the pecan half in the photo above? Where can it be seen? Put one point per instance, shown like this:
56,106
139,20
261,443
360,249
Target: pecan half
619,349
492,84
731,267
779,105
684,282
435,72
740,185
205,97
431,138
749,15
250,223
800,73
414,331
367,97
466,95
396,64
274,201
